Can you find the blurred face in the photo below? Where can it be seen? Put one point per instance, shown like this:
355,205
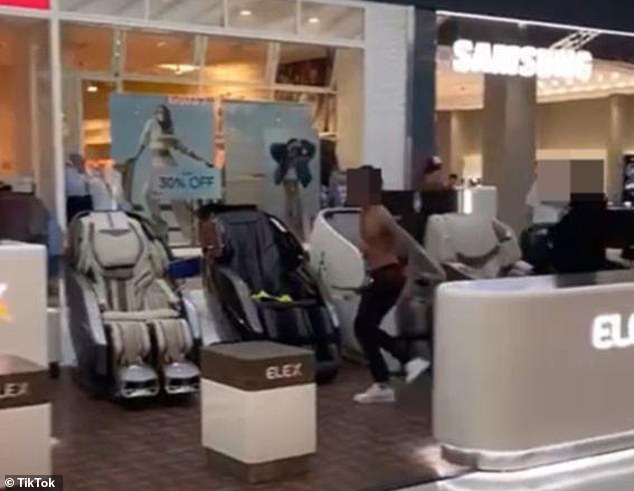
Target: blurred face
160,115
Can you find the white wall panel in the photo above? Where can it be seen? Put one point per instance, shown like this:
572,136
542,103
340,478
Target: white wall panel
386,76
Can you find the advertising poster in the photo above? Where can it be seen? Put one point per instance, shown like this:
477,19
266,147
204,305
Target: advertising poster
273,160
164,148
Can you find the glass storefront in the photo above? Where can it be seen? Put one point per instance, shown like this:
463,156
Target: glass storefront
511,94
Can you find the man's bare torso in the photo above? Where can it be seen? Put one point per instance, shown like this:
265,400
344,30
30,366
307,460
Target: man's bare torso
378,235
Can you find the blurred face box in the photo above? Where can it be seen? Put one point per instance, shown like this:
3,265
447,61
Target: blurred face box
364,187
559,180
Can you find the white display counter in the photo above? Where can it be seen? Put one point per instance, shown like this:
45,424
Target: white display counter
23,302
533,371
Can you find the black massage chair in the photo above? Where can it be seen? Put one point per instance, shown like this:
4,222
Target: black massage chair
260,278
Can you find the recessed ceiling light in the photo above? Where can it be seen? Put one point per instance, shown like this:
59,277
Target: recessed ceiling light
246,13
92,89
313,20
160,44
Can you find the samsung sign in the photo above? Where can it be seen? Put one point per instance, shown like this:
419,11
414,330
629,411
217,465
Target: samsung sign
523,61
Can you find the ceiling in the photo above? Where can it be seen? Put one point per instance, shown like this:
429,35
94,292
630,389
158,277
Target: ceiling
318,19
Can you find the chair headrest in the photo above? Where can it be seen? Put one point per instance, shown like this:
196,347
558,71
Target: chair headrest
472,236
115,242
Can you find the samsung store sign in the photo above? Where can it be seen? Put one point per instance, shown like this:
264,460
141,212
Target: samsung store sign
523,61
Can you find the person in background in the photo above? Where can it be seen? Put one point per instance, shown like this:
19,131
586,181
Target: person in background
429,175
454,181
78,198
535,241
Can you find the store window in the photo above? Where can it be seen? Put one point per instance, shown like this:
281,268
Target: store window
120,8
160,54
574,76
271,15
235,60
336,21
87,49
302,64
209,12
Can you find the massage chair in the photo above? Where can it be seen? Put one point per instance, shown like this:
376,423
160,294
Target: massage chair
335,255
474,247
257,276
132,334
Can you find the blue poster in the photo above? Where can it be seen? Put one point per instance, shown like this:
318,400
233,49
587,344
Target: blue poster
272,160
164,146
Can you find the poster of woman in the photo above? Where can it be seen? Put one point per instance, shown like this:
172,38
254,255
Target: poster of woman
164,148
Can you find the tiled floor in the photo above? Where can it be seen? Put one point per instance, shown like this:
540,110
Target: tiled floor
105,447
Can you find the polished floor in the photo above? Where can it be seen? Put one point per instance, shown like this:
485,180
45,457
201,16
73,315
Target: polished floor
102,446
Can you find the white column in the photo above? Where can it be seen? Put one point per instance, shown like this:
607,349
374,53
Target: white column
386,78
616,146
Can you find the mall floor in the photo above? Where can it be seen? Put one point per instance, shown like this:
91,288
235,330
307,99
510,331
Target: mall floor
102,446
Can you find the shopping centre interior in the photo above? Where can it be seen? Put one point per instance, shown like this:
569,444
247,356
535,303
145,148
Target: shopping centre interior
140,330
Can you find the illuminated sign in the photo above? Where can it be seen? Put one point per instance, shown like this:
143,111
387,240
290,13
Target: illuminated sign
29,4
609,332
5,316
523,61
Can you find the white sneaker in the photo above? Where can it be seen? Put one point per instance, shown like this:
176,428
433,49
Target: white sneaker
376,394
415,368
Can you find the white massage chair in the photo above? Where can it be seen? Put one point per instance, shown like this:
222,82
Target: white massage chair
335,255
128,322
474,247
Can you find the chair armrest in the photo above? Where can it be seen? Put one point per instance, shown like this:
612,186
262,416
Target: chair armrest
521,268
458,271
244,294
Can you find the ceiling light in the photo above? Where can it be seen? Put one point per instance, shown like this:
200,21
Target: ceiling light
92,89
245,13
616,75
161,44
179,69
313,20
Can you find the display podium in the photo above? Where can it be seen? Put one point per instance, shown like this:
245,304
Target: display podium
23,302
25,418
534,371
258,409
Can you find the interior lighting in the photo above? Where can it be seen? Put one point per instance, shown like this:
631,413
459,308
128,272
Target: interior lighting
92,89
313,20
178,69
246,13
616,75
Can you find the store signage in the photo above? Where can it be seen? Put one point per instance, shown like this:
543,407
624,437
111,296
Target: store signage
523,61
29,4
610,332
190,183
5,315
14,391
284,371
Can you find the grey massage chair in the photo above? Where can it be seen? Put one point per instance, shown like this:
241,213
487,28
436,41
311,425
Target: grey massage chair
128,322
474,247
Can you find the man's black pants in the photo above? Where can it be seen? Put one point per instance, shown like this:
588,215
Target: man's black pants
376,302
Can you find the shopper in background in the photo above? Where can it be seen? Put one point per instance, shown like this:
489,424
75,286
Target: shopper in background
78,198
454,181
536,240
386,260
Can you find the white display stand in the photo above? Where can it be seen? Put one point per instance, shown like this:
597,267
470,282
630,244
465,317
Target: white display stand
23,302
259,409
534,371
25,418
